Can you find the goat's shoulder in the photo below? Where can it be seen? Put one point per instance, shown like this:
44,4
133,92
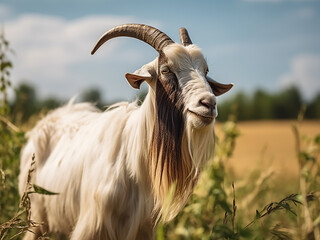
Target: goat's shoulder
68,114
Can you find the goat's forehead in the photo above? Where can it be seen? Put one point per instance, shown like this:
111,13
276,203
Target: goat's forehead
184,58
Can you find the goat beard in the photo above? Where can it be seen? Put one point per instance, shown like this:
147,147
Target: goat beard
176,153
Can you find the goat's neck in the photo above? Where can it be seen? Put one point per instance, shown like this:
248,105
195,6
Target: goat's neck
167,158
166,163
138,134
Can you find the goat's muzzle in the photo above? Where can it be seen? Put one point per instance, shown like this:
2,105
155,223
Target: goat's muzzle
204,111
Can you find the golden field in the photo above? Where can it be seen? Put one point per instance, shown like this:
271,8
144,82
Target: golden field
262,144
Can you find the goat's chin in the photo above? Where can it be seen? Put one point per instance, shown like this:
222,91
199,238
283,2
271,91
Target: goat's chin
198,121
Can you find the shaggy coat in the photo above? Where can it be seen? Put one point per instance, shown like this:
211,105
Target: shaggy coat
114,170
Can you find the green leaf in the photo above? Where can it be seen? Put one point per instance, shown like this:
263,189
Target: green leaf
42,191
287,207
317,139
258,215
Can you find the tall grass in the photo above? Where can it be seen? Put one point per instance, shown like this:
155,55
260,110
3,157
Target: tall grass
12,139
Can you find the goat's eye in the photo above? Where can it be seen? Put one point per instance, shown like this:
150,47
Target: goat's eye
206,71
165,70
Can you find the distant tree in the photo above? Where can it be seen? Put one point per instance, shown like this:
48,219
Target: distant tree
50,103
241,106
25,103
92,95
287,103
313,108
262,105
225,109
238,106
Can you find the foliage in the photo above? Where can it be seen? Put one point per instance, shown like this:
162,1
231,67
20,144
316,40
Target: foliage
285,104
5,67
313,107
12,140
22,222
27,104
11,143
92,95
308,151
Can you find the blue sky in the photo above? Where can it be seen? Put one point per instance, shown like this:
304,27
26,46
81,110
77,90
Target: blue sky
266,44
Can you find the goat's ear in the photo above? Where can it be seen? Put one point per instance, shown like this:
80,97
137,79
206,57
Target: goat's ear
136,80
219,88
145,73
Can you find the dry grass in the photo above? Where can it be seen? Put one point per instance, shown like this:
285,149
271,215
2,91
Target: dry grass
268,143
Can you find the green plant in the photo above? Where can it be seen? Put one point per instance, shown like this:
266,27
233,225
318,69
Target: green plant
5,67
307,151
22,222
11,142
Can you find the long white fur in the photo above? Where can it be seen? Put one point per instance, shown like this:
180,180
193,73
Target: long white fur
97,161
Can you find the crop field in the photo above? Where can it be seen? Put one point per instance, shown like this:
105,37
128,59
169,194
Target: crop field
268,143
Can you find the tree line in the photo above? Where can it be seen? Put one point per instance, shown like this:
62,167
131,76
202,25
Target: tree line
285,104
257,106
26,102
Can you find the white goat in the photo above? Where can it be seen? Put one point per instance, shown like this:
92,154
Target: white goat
113,170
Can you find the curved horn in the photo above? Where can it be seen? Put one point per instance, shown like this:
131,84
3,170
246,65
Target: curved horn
184,37
154,37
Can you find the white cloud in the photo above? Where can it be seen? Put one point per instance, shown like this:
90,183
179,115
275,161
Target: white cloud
40,39
54,53
305,74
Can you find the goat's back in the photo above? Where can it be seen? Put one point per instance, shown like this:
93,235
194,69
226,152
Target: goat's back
73,147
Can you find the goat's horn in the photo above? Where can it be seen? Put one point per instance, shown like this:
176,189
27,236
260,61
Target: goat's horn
154,37
184,37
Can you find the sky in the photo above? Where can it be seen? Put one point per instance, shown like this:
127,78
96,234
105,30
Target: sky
265,44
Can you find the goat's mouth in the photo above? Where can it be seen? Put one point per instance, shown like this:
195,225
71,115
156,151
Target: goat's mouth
207,119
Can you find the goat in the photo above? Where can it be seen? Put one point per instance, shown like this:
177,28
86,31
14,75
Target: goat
113,170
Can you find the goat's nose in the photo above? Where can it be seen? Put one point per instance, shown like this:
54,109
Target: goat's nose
209,102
